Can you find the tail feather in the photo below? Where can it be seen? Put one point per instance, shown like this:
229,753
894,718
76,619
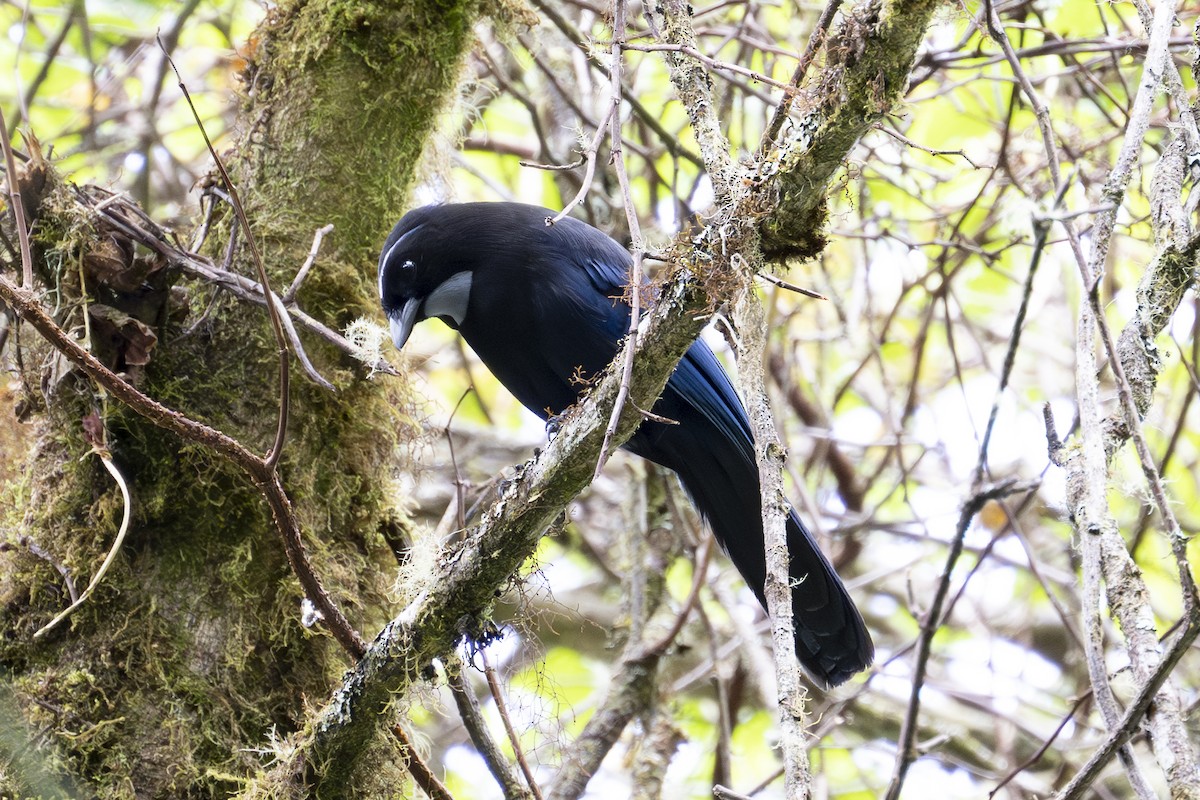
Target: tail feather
832,642
718,470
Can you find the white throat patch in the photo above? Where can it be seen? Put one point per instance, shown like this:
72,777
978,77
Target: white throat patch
450,298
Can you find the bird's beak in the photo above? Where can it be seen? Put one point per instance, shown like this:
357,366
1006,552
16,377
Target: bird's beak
402,322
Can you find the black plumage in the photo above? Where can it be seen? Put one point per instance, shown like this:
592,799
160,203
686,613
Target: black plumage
541,307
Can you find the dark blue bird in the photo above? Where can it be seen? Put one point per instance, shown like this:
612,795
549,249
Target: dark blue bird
540,305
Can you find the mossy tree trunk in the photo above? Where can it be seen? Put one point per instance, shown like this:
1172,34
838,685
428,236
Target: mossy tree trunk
191,654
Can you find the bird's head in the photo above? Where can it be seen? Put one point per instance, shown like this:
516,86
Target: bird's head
416,279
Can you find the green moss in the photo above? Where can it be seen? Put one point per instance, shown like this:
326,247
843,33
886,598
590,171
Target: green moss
868,61
190,653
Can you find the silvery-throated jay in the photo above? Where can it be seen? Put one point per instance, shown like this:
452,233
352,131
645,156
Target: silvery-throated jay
541,305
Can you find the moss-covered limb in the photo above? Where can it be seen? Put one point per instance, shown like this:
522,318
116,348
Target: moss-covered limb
342,96
695,90
1161,290
191,652
869,57
135,693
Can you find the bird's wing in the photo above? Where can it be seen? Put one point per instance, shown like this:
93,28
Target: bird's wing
700,381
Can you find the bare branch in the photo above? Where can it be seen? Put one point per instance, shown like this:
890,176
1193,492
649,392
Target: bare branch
513,739
16,207
277,327
489,749
290,295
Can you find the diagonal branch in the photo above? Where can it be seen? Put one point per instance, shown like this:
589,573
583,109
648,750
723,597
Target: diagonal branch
488,747
466,580
868,59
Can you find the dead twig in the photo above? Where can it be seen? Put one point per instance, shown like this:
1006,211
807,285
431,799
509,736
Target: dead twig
290,295
488,747
17,208
101,451
498,697
277,325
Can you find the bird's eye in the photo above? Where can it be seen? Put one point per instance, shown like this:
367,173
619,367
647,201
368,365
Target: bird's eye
408,265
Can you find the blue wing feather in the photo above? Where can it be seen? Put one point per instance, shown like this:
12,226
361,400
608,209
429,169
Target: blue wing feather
546,309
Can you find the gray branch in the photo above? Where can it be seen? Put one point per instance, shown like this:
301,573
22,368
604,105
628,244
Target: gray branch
467,579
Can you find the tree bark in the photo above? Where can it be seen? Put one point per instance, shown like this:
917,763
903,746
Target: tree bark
190,657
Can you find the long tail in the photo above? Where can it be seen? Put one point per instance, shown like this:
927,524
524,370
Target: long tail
714,460
831,640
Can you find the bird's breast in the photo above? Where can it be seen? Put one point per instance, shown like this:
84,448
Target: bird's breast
545,345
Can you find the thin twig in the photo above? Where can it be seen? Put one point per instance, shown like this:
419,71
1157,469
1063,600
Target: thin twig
240,286
250,291
553,167
583,43
589,173
791,287
712,63
637,249
816,40
290,295
277,326
1042,232
931,622
18,208
298,348
459,515
699,579
899,137
488,747
498,697
417,767
1041,751
26,541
